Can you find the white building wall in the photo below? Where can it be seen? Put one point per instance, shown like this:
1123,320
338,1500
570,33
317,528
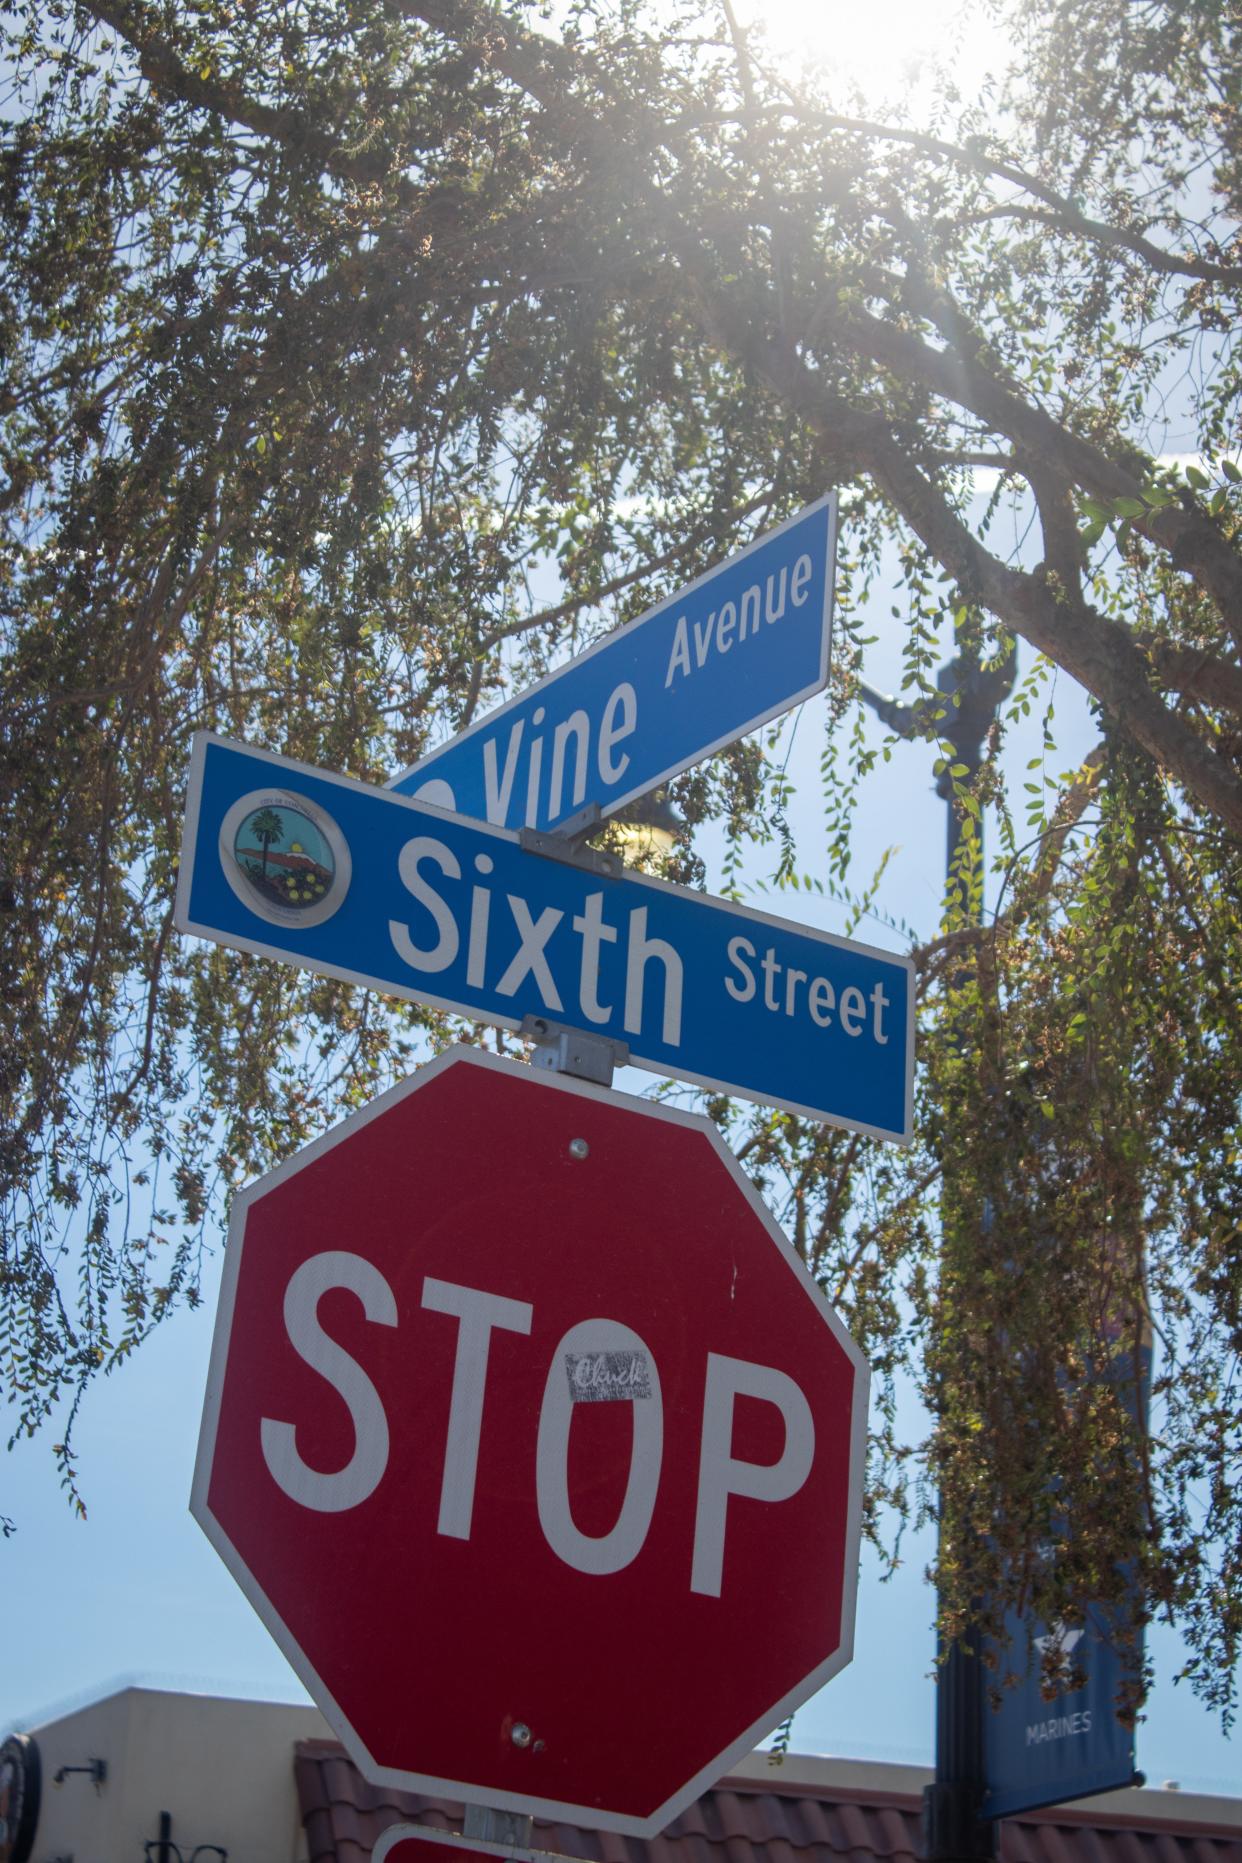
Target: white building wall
223,1769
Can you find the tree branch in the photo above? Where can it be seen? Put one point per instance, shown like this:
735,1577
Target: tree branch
1100,653
1064,215
959,375
1121,238
1200,675
165,71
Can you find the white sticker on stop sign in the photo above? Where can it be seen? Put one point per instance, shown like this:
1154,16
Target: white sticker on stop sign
603,1377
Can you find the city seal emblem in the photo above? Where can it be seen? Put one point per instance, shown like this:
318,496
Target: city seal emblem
284,857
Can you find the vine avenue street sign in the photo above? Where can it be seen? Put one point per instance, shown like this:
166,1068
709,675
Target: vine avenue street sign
534,1444
383,890
738,647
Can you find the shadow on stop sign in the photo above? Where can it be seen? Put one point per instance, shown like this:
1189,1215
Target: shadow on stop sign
534,1445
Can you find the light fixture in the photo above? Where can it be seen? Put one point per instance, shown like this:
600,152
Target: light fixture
648,828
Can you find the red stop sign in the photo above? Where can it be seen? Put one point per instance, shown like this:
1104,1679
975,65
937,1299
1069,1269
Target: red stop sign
534,1445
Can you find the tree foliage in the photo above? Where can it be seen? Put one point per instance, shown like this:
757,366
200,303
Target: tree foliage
334,329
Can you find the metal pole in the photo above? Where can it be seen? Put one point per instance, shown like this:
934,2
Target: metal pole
953,1829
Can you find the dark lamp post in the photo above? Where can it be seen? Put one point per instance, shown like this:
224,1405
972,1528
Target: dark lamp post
953,1828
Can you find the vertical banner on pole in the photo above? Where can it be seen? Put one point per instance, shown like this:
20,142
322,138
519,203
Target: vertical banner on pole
1043,1749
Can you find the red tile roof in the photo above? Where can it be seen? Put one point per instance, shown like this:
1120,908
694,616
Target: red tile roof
785,1819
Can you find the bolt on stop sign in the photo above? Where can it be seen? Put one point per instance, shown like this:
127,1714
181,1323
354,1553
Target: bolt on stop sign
534,1444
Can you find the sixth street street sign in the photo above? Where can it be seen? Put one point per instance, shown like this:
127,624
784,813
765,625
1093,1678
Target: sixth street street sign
741,645
383,890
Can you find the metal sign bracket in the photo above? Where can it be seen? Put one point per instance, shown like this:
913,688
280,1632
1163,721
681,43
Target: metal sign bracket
560,1050
569,842
511,1828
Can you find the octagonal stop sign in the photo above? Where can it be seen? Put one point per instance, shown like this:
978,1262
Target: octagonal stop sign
534,1444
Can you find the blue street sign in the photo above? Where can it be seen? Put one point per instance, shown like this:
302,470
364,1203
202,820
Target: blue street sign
741,645
383,890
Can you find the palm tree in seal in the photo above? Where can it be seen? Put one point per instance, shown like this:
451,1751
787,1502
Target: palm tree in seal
267,826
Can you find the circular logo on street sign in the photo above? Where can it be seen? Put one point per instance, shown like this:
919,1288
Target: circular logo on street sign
284,857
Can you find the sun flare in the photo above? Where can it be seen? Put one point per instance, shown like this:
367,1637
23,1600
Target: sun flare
884,50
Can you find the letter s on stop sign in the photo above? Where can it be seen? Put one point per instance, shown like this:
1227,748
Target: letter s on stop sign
534,1444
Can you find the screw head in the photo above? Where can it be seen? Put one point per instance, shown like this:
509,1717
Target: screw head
578,1148
519,1733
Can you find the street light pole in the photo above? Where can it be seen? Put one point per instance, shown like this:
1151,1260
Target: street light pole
953,1827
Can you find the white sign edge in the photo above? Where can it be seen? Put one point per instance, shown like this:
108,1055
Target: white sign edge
260,948
590,1816
757,720
395,1834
